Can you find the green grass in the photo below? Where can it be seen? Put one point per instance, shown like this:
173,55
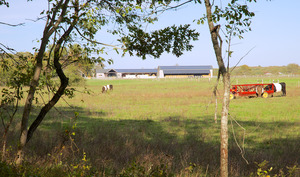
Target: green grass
171,121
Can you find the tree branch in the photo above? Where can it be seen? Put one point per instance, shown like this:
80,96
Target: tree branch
242,59
175,7
19,24
60,18
97,41
242,149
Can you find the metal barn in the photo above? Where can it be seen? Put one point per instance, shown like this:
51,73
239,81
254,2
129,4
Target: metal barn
160,72
185,71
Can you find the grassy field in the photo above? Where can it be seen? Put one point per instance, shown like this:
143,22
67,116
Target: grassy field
143,126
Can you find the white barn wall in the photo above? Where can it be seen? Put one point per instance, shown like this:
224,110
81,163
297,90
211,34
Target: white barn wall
100,75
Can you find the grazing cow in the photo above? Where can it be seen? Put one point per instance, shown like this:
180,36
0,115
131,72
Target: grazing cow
105,88
280,87
283,88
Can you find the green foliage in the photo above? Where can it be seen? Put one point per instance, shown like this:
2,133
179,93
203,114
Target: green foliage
292,170
293,68
233,19
264,171
171,39
243,70
3,2
61,165
25,170
75,76
16,69
7,170
128,18
236,17
82,168
81,59
74,58
139,170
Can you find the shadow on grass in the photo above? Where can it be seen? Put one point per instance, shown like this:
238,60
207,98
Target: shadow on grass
274,142
175,140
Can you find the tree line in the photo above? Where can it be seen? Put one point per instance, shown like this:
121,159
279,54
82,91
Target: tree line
245,70
76,63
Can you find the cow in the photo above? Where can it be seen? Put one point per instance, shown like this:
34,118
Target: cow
111,87
280,87
105,88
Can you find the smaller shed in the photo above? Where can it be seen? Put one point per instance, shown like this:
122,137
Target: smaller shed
103,73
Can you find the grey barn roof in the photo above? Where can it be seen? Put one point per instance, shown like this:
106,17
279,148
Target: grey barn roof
136,70
187,71
200,69
127,70
103,70
197,67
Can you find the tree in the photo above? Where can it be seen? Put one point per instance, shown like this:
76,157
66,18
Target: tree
292,68
76,63
82,63
17,70
235,18
67,21
3,2
244,70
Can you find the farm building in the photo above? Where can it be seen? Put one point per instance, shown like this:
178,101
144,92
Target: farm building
185,71
160,72
126,73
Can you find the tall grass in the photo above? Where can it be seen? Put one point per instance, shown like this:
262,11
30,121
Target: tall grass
143,124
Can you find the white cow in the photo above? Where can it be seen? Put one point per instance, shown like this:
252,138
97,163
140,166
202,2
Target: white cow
280,87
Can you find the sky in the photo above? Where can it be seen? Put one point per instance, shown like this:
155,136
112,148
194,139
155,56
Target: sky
274,38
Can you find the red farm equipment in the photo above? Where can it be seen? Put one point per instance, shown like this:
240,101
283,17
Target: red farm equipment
252,90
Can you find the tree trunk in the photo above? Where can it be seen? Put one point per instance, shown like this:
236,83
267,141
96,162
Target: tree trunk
6,128
28,105
51,25
215,38
63,85
4,140
224,127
